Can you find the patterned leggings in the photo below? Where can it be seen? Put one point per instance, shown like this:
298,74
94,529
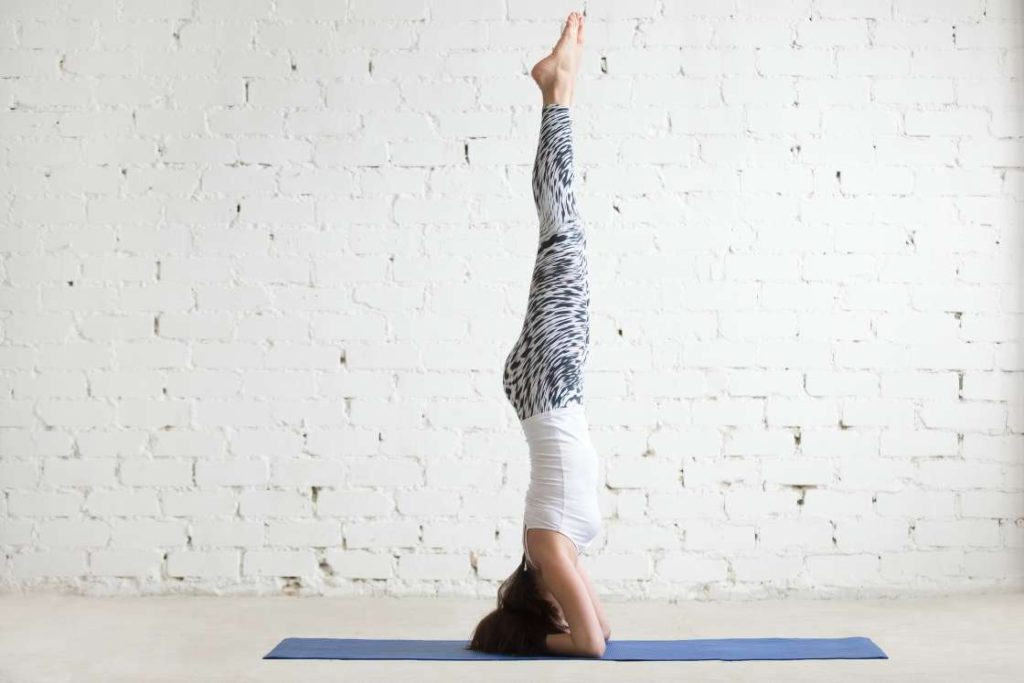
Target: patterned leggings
544,369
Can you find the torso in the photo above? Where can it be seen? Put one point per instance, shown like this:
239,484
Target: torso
562,495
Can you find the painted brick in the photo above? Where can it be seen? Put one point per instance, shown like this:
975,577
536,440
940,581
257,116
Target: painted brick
263,261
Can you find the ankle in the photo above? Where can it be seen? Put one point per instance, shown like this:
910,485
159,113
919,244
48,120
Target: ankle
557,95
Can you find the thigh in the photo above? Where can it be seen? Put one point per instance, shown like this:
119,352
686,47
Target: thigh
544,370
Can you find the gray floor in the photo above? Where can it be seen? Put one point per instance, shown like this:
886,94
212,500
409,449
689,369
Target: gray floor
73,638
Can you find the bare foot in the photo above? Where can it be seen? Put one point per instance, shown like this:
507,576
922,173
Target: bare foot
556,73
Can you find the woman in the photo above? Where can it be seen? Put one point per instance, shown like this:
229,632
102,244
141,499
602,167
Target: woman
549,604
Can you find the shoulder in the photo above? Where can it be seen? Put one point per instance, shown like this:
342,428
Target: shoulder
551,548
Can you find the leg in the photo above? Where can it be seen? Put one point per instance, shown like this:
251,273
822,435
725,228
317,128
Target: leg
544,370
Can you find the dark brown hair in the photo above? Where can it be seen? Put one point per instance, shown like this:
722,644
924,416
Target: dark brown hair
522,620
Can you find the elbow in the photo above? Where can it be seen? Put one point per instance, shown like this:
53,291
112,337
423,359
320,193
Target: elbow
594,649
607,634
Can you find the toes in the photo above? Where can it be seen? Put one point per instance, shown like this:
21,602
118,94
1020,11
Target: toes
571,31
565,37
568,36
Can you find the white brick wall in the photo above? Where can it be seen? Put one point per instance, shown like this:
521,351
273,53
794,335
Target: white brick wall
262,261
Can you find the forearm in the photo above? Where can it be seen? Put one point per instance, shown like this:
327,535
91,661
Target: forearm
606,629
598,608
563,644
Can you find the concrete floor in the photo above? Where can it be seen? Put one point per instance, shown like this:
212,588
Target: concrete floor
184,638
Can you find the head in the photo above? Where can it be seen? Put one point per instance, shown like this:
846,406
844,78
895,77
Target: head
525,615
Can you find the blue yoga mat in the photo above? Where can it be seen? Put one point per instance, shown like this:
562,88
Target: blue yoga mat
725,649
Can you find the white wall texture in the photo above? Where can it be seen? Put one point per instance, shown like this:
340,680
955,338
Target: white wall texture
262,262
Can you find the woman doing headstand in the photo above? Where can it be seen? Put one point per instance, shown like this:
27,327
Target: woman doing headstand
549,604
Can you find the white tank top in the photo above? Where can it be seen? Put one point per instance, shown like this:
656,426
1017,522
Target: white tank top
562,495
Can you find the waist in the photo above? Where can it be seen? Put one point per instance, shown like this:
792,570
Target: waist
558,431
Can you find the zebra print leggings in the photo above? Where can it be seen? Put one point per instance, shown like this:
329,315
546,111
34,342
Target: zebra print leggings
544,369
